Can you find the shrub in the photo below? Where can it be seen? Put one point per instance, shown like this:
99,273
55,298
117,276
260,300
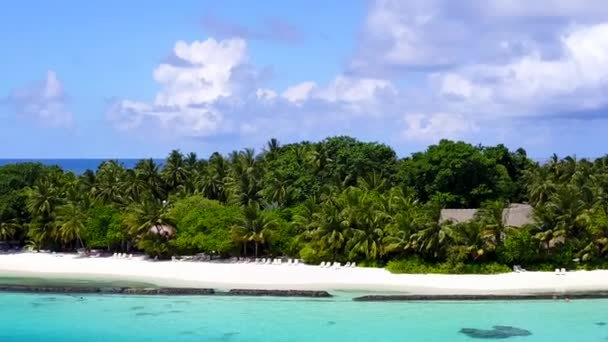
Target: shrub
418,266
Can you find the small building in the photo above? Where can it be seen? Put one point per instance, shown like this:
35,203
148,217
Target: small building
516,215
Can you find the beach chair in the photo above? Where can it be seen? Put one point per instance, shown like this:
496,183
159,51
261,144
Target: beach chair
347,265
557,271
322,264
354,264
337,265
289,262
130,256
563,271
296,262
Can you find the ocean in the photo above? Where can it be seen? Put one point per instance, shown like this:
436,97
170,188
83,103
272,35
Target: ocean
92,318
78,166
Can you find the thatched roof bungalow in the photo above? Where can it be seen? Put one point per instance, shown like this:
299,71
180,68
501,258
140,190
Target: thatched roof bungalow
516,215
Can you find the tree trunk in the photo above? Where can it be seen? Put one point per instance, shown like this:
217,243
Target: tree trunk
245,248
256,249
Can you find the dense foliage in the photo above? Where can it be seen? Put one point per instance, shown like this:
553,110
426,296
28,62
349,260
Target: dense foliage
339,199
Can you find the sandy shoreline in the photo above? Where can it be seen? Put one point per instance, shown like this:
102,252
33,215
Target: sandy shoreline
282,277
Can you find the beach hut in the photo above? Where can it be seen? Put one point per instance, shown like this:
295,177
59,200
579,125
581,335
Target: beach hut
516,215
163,230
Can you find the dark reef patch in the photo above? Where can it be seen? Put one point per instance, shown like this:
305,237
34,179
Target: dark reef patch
497,332
600,324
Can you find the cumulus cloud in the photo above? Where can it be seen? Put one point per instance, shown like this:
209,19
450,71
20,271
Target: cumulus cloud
43,101
533,85
190,90
423,70
432,127
470,66
209,88
299,92
401,36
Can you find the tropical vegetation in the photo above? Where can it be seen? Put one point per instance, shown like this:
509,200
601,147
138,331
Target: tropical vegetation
339,199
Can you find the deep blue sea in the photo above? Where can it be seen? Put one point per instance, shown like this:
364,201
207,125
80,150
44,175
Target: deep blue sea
64,318
78,166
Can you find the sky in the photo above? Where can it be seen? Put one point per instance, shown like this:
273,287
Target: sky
133,79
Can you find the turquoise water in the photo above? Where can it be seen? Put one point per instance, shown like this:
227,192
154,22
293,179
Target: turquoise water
53,318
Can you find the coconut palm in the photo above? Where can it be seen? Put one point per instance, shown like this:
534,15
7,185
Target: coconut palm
492,221
175,172
433,239
8,229
148,217
110,182
71,220
212,182
255,226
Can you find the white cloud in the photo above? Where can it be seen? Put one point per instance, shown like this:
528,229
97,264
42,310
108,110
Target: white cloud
190,89
43,101
543,8
208,88
266,94
353,90
436,126
532,84
299,92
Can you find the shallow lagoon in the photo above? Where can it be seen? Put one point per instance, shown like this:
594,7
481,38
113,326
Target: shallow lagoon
54,318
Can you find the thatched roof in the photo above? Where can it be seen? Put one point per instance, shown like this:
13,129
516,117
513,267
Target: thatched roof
457,215
163,230
516,215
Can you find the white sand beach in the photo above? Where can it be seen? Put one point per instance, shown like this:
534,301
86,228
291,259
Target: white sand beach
224,276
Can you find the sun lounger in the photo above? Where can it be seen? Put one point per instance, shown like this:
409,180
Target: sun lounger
557,271
563,271
518,269
354,264
322,264
347,264
296,262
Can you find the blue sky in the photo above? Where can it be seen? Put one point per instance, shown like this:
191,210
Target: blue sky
139,78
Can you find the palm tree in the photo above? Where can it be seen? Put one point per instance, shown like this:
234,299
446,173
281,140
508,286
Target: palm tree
43,198
491,218
175,173
406,217
278,190
255,226
110,183
433,240
367,234
71,221
330,227
146,180
148,217
539,185
245,176
272,149
8,229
